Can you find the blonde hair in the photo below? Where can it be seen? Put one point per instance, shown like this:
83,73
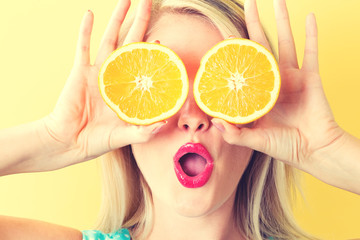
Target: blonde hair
262,207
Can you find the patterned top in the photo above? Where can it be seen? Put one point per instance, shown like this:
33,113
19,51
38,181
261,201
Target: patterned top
122,234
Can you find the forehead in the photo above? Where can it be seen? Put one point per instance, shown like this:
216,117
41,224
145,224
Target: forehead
190,36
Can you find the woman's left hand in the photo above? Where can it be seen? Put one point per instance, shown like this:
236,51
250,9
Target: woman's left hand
301,126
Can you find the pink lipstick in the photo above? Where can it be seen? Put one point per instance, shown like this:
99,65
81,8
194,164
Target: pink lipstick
193,165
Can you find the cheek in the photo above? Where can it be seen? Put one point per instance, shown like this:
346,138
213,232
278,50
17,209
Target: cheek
233,165
241,159
142,154
152,162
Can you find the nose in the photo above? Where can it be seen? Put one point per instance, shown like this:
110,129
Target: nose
192,119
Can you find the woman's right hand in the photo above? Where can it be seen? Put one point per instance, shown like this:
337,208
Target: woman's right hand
82,125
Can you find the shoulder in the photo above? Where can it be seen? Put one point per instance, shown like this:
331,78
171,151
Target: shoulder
121,234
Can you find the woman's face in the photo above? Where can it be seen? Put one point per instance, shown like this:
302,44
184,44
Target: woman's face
190,37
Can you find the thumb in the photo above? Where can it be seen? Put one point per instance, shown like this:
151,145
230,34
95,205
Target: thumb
131,134
254,138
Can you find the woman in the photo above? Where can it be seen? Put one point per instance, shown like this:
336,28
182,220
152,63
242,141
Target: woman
246,196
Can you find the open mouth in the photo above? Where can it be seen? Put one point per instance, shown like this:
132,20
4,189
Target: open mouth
193,165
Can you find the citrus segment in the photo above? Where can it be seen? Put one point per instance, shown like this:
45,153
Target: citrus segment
238,80
143,83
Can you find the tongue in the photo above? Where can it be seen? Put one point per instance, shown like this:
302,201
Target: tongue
192,164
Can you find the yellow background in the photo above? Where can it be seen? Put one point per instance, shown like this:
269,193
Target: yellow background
37,46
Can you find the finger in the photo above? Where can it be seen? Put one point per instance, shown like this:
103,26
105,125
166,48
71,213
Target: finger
138,28
82,56
287,51
255,30
109,40
157,127
132,134
247,137
311,59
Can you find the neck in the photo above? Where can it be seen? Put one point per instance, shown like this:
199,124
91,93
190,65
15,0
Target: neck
217,225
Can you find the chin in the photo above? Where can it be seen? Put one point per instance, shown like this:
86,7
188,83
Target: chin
198,202
194,207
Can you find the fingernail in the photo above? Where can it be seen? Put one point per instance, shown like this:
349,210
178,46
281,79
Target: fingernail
219,126
156,130
155,41
232,36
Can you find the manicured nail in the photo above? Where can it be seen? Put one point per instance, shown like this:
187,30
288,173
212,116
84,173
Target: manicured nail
157,41
219,126
156,130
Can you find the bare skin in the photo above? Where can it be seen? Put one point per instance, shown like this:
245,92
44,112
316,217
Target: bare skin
205,212
70,133
300,130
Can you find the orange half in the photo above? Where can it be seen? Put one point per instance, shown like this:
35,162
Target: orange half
238,80
143,83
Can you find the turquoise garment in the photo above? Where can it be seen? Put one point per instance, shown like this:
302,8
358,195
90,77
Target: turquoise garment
122,234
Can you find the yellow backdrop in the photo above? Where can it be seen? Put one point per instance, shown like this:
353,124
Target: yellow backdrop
37,46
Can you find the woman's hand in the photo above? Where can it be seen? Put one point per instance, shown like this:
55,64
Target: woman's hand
300,130
81,123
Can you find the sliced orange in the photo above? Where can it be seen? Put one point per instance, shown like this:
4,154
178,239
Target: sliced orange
238,80
143,83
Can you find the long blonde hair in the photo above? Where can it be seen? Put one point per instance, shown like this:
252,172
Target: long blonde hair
262,207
